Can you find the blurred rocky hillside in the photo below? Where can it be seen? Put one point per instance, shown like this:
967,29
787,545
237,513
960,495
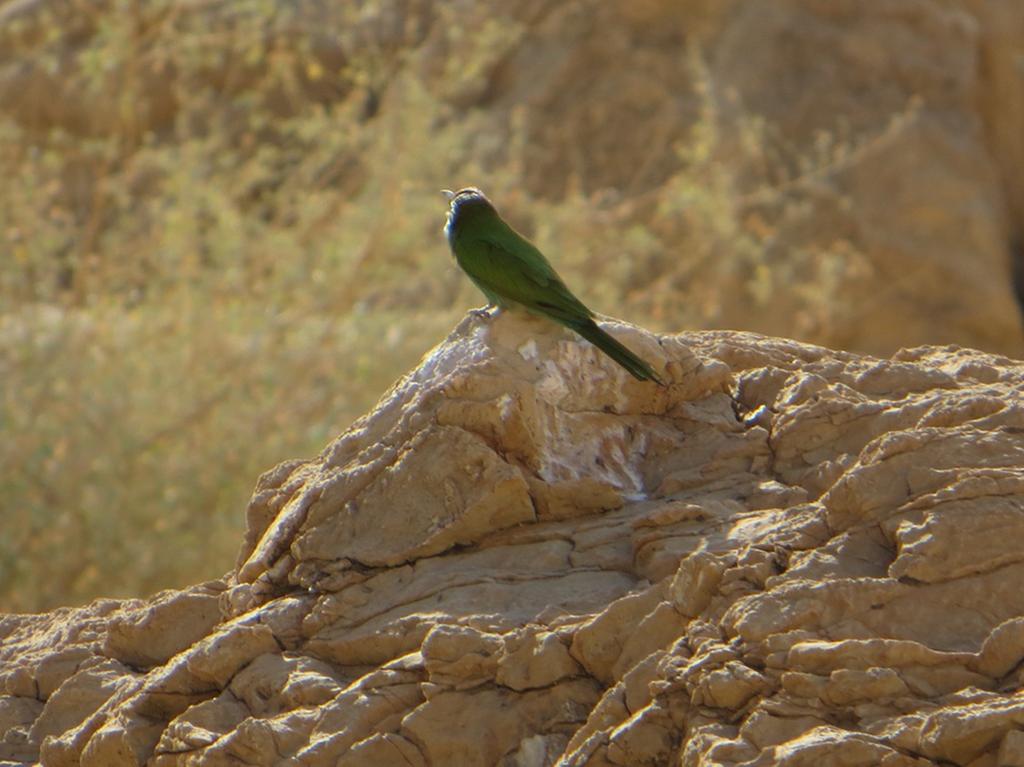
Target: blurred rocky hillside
863,162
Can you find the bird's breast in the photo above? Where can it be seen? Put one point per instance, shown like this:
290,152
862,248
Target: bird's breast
449,231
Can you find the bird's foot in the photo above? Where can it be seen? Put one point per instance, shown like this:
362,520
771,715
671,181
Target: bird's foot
489,312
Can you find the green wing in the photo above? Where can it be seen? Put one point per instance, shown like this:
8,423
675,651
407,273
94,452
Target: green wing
506,266
503,263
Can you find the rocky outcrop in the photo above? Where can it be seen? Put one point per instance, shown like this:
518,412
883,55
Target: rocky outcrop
523,556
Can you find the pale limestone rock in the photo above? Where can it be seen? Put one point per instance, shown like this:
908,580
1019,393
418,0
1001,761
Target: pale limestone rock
1003,649
460,657
532,658
166,626
201,726
80,695
216,660
17,715
646,738
730,686
788,556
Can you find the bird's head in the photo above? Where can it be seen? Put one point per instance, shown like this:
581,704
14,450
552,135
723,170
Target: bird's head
461,204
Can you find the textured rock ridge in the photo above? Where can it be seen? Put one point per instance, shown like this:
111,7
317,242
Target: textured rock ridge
522,556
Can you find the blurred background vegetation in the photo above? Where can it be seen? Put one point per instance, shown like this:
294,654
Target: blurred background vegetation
220,236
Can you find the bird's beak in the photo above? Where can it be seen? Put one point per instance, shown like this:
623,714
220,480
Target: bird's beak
448,194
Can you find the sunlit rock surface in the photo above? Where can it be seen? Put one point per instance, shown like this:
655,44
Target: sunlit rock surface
523,556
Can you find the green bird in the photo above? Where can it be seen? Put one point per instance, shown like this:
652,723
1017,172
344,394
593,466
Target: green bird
511,271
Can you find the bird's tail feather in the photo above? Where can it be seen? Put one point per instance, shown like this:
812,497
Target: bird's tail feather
635,366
